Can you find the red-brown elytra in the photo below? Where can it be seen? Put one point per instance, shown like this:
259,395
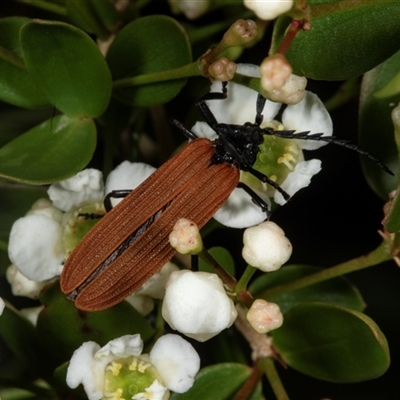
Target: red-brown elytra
130,243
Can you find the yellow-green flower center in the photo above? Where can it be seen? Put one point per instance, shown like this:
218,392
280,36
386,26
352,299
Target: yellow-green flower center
128,376
81,221
276,159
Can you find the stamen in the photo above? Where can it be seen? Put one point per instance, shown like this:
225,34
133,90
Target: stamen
114,368
133,365
143,366
292,149
115,395
273,178
283,160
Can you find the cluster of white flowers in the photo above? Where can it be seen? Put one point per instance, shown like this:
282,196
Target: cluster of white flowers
120,370
194,303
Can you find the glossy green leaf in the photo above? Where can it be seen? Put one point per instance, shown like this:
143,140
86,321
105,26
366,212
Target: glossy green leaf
16,85
54,150
346,38
218,382
93,16
20,336
150,44
337,291
63,328
68,66
332,343
223,257
376,131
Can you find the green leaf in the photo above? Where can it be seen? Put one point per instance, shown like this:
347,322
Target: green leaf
68,67
93,16
20,336
218,382
347,38
16,85
150,44
376,131
337,291
223,257
54,150
63,328
332,343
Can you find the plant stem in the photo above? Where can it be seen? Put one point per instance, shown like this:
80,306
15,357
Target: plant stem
11,57
44,5
377,256
176,73
226,278
268,366
245,279
246,390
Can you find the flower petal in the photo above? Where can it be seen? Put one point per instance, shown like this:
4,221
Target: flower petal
311,115
83,368
21,285
176,361
298,179
127,175
2,305
83,188
124,346
240,105
36,247
239,211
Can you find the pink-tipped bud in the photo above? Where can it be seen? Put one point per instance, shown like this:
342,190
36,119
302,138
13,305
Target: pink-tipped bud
185,237
264,316
240,32
275,70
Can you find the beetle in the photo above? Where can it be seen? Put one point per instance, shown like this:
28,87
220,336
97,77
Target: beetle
130,243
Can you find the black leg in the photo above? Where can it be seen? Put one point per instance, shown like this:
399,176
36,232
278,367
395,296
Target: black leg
115,194
189,134
257,200
205,110
259,109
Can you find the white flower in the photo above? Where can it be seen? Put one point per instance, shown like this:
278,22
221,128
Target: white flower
191,9
40,242
280,159
269,9
2,305
154,288
197,305
32,313
22,286
119,368
264,316
266,247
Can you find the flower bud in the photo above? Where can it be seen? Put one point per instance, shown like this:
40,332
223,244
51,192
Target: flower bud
191,9
185,237
222,70
264,316
197,305
240,32
268,9
266,246
292,91
275,70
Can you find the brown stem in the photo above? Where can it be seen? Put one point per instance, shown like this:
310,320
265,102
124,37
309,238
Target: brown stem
246,390
295,26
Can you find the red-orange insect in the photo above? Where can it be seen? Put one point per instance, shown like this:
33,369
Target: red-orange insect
130,244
